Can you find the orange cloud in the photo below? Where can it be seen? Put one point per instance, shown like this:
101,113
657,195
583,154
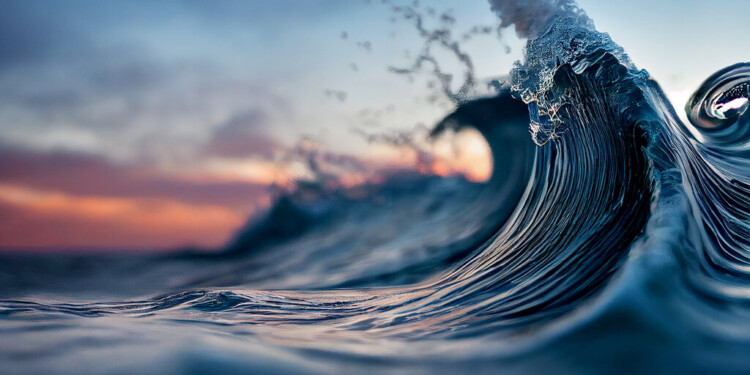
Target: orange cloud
49,218
464,153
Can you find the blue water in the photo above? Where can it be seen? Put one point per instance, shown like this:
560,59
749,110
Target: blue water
610,239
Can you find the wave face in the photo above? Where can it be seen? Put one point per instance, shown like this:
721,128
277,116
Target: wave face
613,239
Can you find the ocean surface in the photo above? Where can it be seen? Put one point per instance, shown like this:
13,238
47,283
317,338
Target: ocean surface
611,238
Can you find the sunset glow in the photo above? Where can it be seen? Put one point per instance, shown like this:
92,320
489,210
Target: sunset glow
110,222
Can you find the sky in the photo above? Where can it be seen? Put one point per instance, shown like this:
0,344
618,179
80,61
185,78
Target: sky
155,125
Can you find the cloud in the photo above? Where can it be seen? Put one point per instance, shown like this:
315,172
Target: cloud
39,218
60,199
75,76
243,135
91,175
132,109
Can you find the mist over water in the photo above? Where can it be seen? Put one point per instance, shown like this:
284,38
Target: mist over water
608,239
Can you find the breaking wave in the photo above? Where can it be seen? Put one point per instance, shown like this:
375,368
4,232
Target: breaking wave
612,237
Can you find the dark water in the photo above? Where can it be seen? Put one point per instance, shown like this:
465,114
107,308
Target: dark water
611,240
